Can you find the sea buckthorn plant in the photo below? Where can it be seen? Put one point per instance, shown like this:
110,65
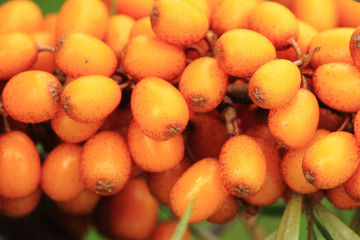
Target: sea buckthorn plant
180,119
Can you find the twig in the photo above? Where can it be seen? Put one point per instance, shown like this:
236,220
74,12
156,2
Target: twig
128,84
304,82
306,58
345,122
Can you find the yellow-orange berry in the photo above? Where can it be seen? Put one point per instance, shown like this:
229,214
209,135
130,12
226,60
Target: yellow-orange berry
340,199
226,212
134,8
354,46
165,230
32,96
45,60
159,109
142,27
241,52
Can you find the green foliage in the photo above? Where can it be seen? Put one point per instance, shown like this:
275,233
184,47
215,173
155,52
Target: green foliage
183,223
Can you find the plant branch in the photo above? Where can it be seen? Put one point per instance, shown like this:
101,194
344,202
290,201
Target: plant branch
227,109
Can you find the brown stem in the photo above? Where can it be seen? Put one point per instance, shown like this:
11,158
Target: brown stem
250,210
45,48
306,58
60,75
211,39
195,48
299,62
296,47
345,122
128,84
304,82
308,73
6,124
227,109
239,93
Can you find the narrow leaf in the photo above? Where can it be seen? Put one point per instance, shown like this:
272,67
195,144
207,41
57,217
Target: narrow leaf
334,226
355,222
271,236
289,227
183,223
321,228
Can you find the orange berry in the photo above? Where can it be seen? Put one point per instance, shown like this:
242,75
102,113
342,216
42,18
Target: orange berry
161,183
178,21
203,84
337,86
18,54
231,14
81,54
291,167
83,203
203,5
308,11
357,126
142,27
275,22
206,176
348,12
49,23
260,130
60,176
118,33
334,46
46,59
82,16
133,211
71,131
306,34
152,155
331,160
352,186
294,123
19,165
20,16
340,199
159,109
354,46
32,96
157,59
134,8
241,52
274,84
20,207
226,212
105,163
165,230
118,121
242,166
274,186
90,98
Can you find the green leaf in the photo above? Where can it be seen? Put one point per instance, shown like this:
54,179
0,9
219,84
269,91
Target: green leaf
289,227
183,223
334,226
271,236
355,222
322,230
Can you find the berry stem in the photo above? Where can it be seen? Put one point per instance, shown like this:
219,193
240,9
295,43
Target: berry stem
45,48
6,124
211,39
239,93
296,47
345,122
227,109
127,84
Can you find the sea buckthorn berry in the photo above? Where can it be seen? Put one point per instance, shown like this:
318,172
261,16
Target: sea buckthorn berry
161,183
352,185
142,27
331,160
49,23
334,46
241,52
118,33
178,21
133,211
18,54
82,16
83,203
203,5
118,121
134,8
105,163
338,86
226,212
308,11
242,166
274,186
165,230
231,14
291,166
159,109
19,165
340,199
203,84
205,173
260,130
275,22
90,98
354,46
306,34
71,131
20,207
60,176
357,126
20,16
152,155
81,54
294,123
146,56
274,84
348,12
32,96
207,135
45,60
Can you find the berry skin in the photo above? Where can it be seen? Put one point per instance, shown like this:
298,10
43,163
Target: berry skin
83,203
354,46
32,96
340,199
165,230
240,52
159,109
226,212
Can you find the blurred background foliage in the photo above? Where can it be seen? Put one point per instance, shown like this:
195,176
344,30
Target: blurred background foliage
266,222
